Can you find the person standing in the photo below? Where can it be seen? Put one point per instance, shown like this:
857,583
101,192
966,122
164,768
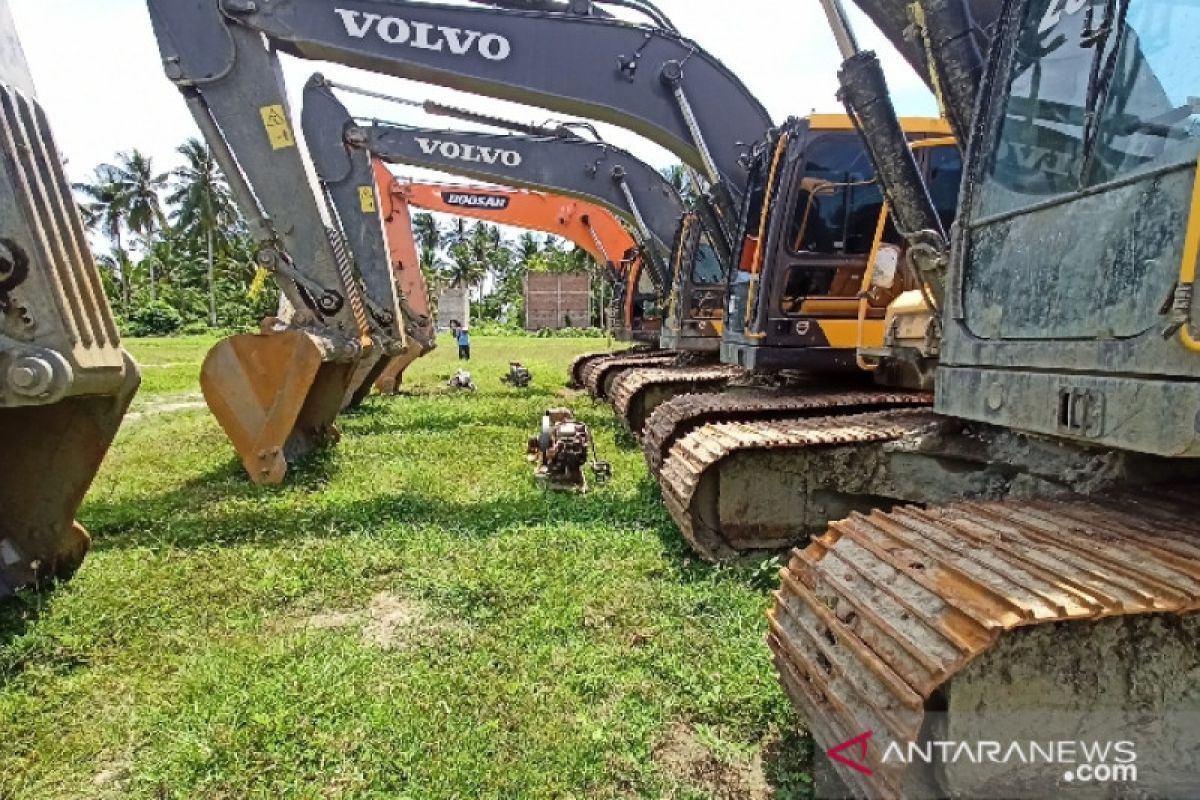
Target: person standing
464,341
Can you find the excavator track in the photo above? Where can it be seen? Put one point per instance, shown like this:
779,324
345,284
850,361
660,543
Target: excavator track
598,374
575,371
636,393
682,414
878,615
724,516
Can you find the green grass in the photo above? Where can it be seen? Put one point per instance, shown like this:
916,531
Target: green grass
408,617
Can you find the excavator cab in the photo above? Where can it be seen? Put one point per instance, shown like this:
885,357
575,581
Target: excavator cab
809,232
639,303
65,382
696,305
1089,333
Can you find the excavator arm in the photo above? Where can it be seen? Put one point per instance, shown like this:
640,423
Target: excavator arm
945,41
65,381
593,172
645,78
410,281
590,227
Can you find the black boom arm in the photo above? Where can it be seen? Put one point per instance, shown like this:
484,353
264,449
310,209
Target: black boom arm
592,171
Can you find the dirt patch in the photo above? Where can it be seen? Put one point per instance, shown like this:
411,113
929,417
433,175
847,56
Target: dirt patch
169,405
389,622
684,755
113,778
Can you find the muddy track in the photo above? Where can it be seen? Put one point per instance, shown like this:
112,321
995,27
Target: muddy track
636,393
679,416
879,614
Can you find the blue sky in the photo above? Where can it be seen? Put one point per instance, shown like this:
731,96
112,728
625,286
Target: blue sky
95,64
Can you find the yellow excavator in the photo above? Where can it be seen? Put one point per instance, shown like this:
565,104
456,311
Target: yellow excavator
65,381
1024,565
801,310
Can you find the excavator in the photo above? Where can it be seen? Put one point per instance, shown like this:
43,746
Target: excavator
793,320
65,381
554,160
277,394
1024,561
820,289
591,227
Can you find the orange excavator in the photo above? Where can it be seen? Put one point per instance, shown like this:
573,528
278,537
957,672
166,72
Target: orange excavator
589,226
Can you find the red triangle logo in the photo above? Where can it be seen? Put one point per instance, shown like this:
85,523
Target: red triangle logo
859,761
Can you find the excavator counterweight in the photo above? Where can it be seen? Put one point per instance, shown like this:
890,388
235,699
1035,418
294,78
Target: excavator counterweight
65,381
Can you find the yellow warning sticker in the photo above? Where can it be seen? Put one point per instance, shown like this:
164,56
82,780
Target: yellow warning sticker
258,284
279,130
366,196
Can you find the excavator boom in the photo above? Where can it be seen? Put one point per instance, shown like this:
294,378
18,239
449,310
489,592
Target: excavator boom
594,172
588,226
633,76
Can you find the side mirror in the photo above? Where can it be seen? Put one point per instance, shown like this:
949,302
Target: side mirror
886,266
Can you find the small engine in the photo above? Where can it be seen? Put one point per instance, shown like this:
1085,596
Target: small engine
561,452
518,375
462,380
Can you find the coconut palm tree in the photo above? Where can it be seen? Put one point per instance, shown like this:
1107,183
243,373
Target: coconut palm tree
465,270
139,187
104,211
426,231
459,232
679,178
528,247
204,207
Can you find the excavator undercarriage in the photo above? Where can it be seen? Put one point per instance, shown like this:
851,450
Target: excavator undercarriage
914,624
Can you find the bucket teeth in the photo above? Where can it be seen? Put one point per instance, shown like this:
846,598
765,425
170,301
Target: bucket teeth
276,396
53,453
635,393
874,617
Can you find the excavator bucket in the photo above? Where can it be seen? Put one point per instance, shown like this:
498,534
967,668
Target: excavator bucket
65,382
276,395
366,373
52,452
392,376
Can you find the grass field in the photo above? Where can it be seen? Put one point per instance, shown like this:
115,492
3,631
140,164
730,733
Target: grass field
408,617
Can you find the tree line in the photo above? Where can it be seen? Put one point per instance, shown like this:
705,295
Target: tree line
176,255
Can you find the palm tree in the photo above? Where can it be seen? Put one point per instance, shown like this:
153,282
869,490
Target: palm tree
528,247
681,180
458,233
432,265
426,231
204,206
104,211
138,187
465,269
